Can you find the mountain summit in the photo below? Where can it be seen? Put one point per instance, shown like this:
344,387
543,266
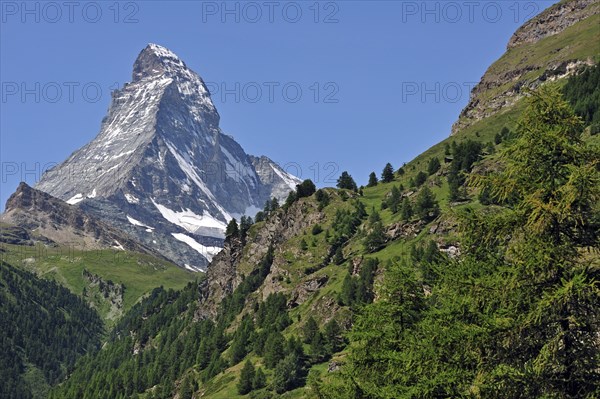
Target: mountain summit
162,170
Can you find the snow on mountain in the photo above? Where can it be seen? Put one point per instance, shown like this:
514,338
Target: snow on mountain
161,160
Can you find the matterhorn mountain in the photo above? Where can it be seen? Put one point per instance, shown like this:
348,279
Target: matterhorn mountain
161,170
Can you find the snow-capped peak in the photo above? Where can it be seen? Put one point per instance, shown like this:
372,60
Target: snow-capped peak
161,160
155,60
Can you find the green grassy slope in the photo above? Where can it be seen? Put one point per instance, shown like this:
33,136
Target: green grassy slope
138,273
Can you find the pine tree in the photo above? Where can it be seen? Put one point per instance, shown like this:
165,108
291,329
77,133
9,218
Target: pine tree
332,333
420,178
346,181
247,376
393,201
309,330
372,180
305,189
426,205
406,211
274,349
303,245
287,374
338,257
260,380
317,347
348,291
387,175
433,166
375,238
232,229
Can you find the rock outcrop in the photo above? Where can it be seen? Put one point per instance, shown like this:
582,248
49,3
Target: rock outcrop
567,25
42,214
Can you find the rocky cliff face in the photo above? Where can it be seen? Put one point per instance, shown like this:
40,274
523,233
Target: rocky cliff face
238,259
162,170
552,21
553,45
65,224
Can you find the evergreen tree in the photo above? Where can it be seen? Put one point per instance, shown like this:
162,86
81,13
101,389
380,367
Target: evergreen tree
245,224
187,389
420,178
372,180
260,380
387,175
232,229
553,179
406,210
287,374
348,291
338,257
303,245
346,181
317,348
332,333
247,376
274,349
394,199
274,204
375,238
433,166
309,330
260,217
291,198
426,205
305,189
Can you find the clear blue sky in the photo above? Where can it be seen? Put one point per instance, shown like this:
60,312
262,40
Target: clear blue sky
357,64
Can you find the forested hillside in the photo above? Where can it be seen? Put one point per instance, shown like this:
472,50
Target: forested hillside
43,330
475,274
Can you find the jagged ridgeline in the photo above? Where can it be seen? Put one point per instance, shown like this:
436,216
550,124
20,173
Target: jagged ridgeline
161,170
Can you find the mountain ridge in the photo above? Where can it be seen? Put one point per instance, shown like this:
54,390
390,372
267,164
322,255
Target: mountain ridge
162,170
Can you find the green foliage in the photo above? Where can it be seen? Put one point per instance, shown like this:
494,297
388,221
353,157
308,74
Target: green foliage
309,330
260,380
303,245
433,166
274,349
42,324
247,376
260,217
426,206
305,189
317,229
582,91
346,181
332,334
372,180
406,210
464,155
288,374
245,223
387,175
232,229
338,257
318,351
322,198
358,291
420,178
517,314
394,199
